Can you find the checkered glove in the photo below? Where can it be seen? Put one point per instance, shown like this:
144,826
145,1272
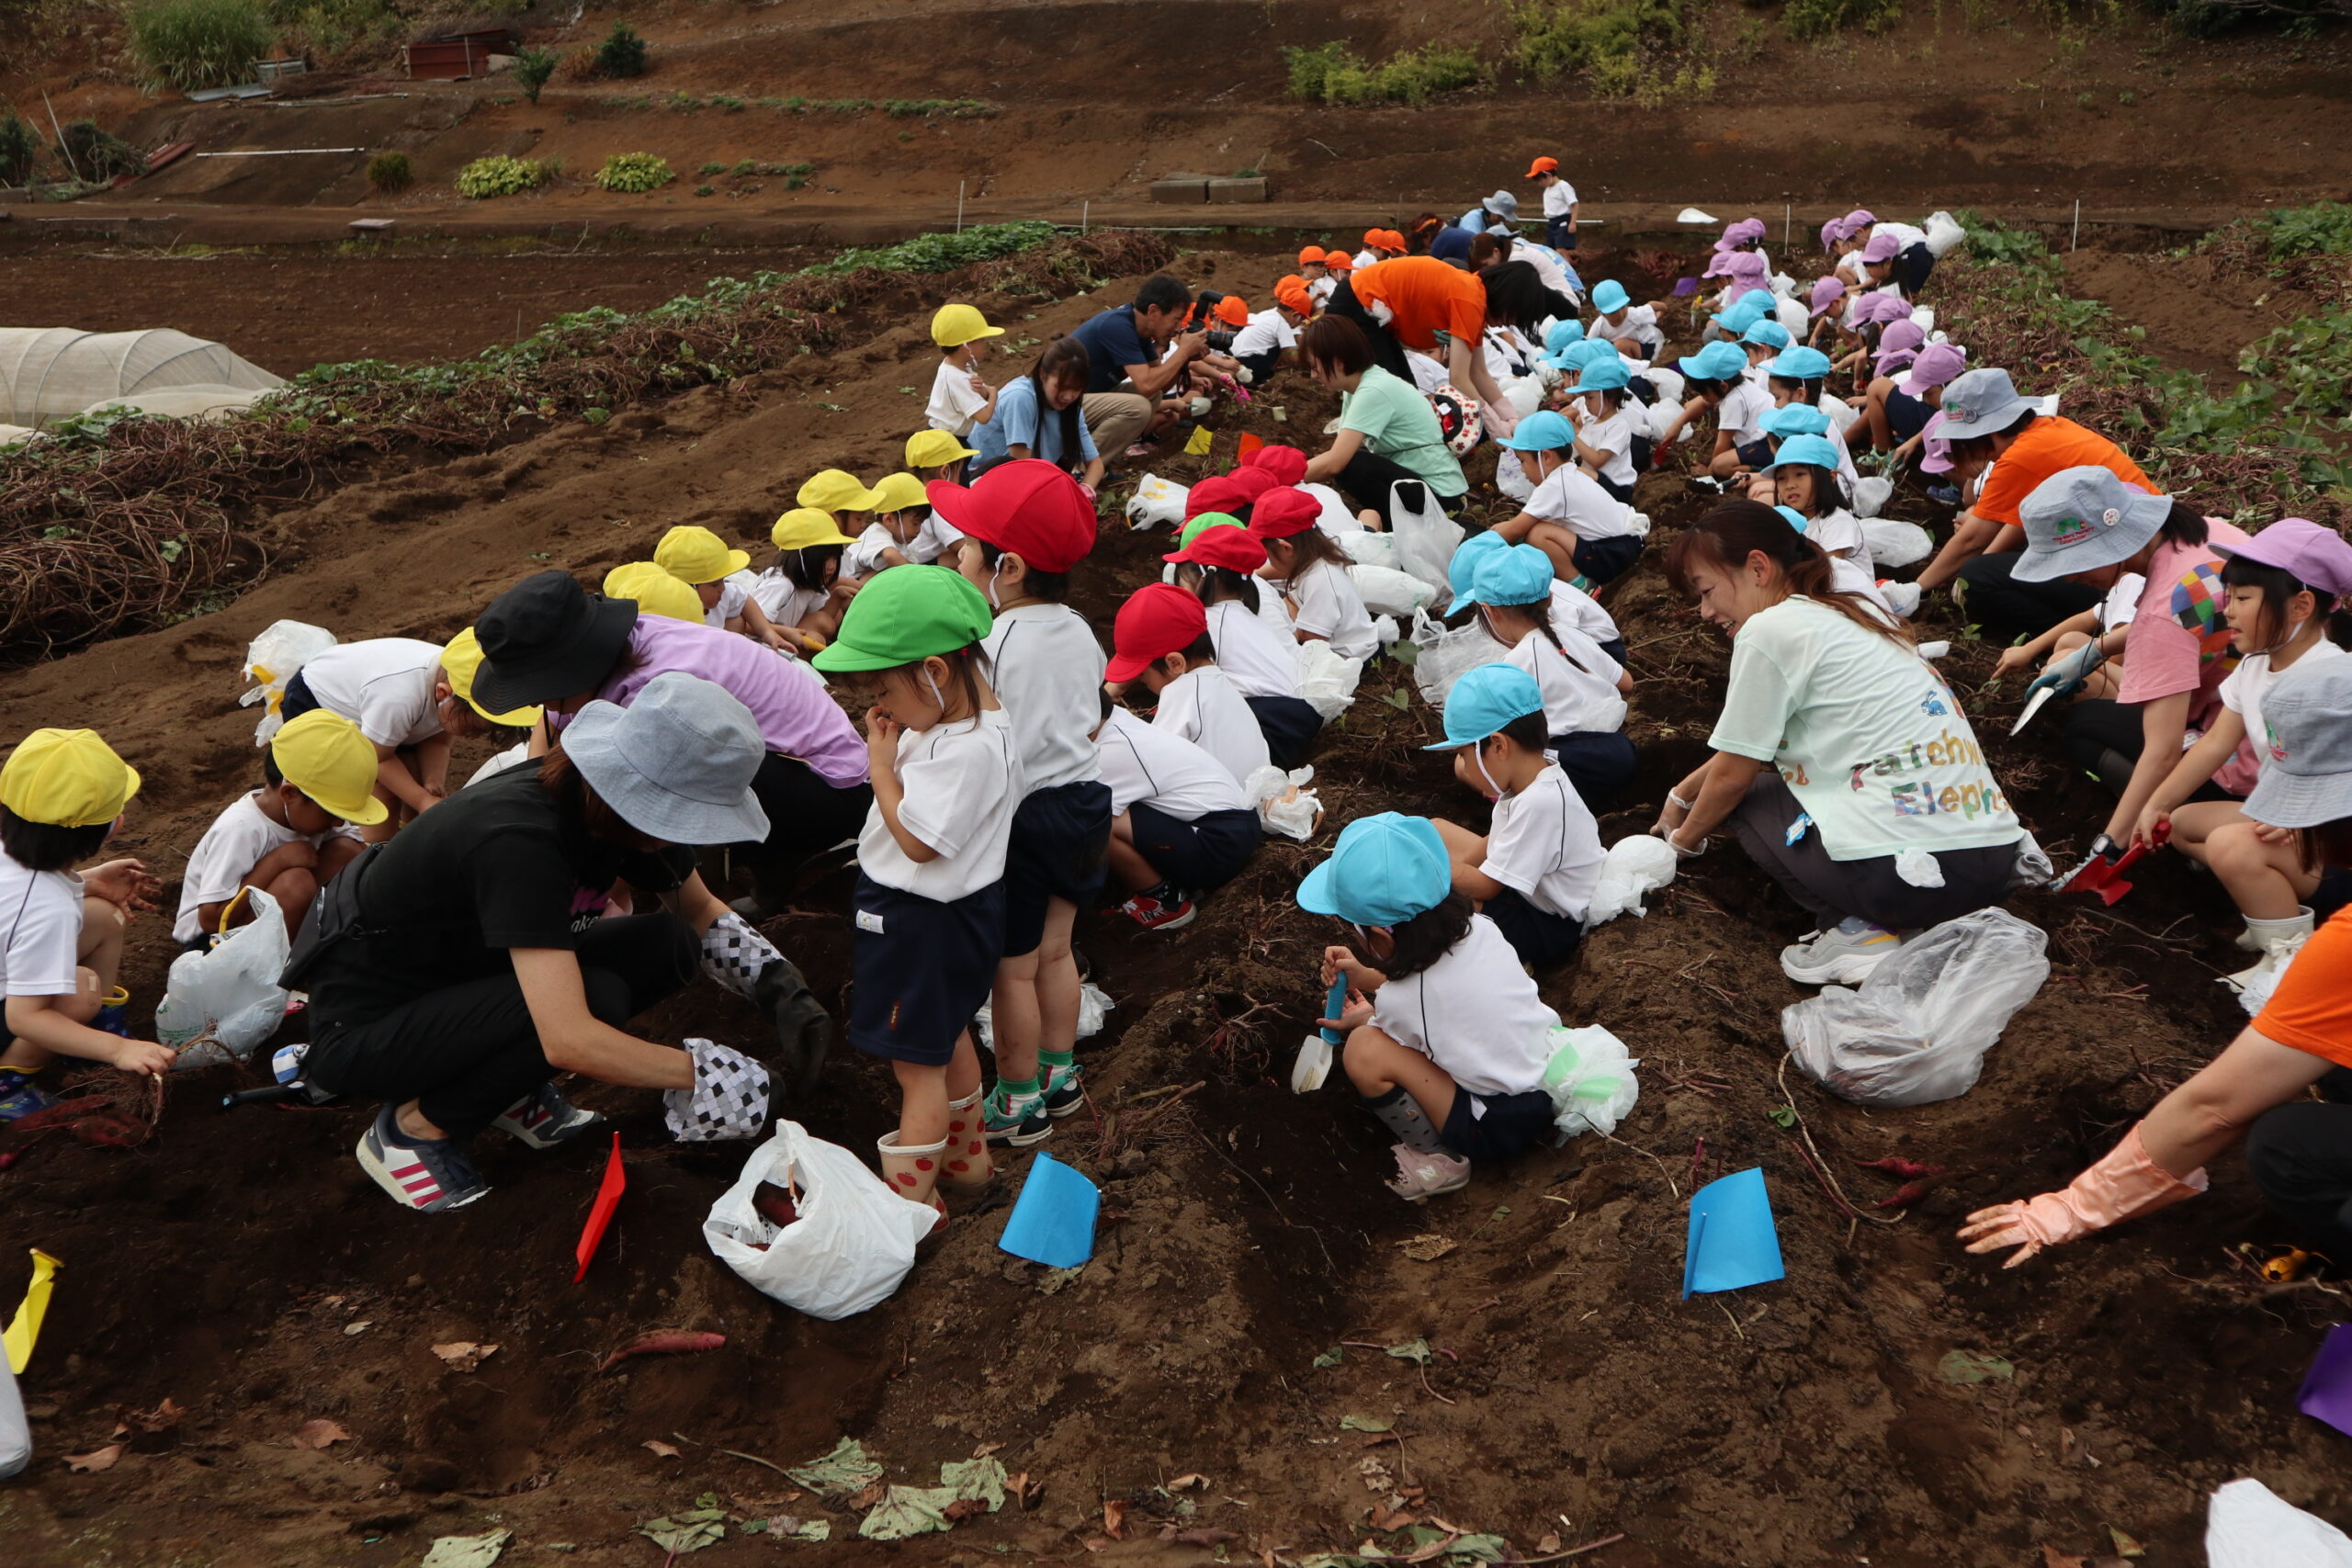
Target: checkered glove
730,1099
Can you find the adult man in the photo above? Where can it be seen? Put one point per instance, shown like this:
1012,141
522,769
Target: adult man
1128,344
1559,203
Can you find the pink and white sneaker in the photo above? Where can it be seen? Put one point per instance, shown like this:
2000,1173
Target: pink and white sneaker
1422,1176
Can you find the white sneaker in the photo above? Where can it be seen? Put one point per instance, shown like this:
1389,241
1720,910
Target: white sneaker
1420,1176
1839,958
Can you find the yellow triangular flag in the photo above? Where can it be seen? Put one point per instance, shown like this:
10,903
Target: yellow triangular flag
1198,446
25,1327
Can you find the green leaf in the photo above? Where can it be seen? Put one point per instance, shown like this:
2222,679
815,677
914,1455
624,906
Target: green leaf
689,1531
1479,1549
1365,1424
1416,1350
1963,1366
172,550
1400,700
843,1473
1783,1116
908,1511
978,1480
1405,651
468,1550
1332,1357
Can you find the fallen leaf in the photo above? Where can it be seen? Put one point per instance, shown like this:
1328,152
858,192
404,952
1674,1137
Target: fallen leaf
1096,1544
1200,1536
978,1481
689,1531
464,1355
910,1510
1385,1519
2124,1545
1547,1543
867,1496
1053,1280
656,1446
1026,1494
362,1327
468,1550
844,1472
1186,1482
95,1461
162,1418
1963,1366
1114,1513
1427,1248
1416,1350
1353,1423
985,1449
784,1527
1332,1357
321,1433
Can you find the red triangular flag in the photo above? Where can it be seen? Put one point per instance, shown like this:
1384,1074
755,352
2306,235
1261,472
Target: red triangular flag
1250,444
608,1198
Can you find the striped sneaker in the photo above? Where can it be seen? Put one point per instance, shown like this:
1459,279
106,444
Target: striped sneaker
542,1118
429,1175
1017,1123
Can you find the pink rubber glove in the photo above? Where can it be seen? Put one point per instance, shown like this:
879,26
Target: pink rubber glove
2125,1184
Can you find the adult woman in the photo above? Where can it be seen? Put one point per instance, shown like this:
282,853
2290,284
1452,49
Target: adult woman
2299,1153
548,638
1387,430
1419,302
1042,415
1873,758
453,976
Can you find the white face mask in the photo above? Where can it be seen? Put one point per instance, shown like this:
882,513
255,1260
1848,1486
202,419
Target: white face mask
1478,756
990,590
935,695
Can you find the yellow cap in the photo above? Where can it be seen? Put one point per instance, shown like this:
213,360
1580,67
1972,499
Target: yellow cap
66,778
936,449
458,662
832,490
955,325
696,556
324,755
896,492
656,590
804,526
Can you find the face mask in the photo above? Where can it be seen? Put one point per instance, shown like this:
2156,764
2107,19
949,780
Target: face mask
990,590
1478,755
935,695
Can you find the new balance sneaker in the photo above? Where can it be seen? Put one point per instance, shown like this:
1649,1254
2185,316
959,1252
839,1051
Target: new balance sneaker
19,1097
1064,1093
1841,956
1016,1122
429,1175
1944,495
542,1118
1422,1176
1171,913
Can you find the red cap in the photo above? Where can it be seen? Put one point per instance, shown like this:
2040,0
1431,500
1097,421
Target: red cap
1233,310
1226,545
1339,261
1028,507
1251,481
1158,619
1210,495
1542,166
1287,463
1312,255
1282,511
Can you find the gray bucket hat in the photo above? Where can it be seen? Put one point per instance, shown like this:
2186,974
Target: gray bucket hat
676,764
1502,201
2307,777
2082,519
1982,401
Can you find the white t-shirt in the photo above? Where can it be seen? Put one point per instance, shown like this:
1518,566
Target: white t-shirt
1545,846
1638,321
1904,235
41,930
1366,258
1203,707
2123,601
1322,288
1741,412
1329,608
1266,332
733,590
1869,738
1558,197
1047,670
1572,606
1841,534
954,406
783,601
1151,763
864,559
1575,500
1613,435
1474,1012
2243,688
962,785
235,843
1260,660
384,685
1575,701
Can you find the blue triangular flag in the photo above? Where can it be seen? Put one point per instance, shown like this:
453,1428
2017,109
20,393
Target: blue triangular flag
1053,1220
1732,1242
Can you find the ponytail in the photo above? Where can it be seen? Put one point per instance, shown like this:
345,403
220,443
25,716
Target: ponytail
1227,584
1728,535
1541,614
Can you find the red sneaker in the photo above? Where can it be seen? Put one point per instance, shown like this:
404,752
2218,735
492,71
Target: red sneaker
1154,915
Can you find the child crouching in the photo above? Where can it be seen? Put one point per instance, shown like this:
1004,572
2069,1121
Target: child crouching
1180,826
289,837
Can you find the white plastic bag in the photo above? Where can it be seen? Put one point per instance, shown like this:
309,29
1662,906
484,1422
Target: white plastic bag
1444,654
1509,477
1426,536
15,1433
1633,868
1590,1080
1667,382
1285,806
2249,1526
1943,232
229,993
854,1239
1389,593
1385,629
1094,1005
275,658
1524,394
1326,680
1365,548
1637,524
1157,502
1894,541
1870,495
1917,1030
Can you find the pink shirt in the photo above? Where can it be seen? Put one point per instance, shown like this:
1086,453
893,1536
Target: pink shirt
2178,642
797,716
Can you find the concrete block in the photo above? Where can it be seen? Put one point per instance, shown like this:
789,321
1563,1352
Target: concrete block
1181,189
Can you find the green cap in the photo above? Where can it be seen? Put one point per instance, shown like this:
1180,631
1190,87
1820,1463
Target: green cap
1203,523
904,616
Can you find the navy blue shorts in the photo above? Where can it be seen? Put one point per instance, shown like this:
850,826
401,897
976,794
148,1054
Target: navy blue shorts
1539,937
297,699
1616,649
1290,726
1599,762
1906,417
921,968
1605,560
1483,1128
1206,852
1060,848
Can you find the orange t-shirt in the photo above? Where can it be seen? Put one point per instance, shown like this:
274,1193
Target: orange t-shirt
2312,1009
2049,445
1423,297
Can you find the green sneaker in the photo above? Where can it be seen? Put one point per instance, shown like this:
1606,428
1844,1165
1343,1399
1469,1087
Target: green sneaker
1016,1122
1063,1092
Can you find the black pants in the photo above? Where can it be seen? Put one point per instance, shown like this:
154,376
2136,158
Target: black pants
1912,268
2300,1155
297,699
1557,234
1259,365
1599,763
1386,352
1370,481
1993,599
468,1051
1867,889
2105,737
1290,726
805,815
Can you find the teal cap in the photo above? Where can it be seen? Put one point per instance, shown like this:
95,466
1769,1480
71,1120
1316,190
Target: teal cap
1609,297
1797,452
1559,335
1767,332
1462,571
1799,364
1794,419
1604,376
1483,700
1542,431
1718,361
1519,575
1384,871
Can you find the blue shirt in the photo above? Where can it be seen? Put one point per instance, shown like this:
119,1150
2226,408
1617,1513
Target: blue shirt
1452,244
1112,345
1017,423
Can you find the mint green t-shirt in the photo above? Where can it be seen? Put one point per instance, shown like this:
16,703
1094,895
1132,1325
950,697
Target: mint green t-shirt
1397,423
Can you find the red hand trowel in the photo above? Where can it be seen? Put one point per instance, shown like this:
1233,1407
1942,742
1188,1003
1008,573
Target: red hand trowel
2104,877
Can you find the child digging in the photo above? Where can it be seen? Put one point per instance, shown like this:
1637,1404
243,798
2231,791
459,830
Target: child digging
720,575
288,838
1162,642
1180,826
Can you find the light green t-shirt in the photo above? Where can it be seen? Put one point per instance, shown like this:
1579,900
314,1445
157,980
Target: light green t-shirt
1397,423
1866,734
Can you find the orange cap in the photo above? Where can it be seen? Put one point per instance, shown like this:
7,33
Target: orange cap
1233,310
1312,255
1392,241
1292,294
1339,261
1373,237
1542,166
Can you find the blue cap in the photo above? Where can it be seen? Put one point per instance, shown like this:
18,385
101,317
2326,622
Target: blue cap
1796,518
1799,364
1541,431
1560,334
1483,700
1740,317
1604,376
1794,419
1801,451
1763,299
1519,575
1717,361
1768,330
1589,351
1384,871
1462,571
1609,296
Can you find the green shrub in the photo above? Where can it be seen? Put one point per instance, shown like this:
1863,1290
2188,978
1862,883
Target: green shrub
634,173
532,69
99,155
1624,49
622,53
191,44
1332,74
706,190
500,176
390,171
2308,363
714,168
2324,229
1820,18
19,150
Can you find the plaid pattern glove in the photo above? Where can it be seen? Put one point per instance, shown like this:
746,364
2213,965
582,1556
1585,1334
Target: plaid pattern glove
730,1099
733,954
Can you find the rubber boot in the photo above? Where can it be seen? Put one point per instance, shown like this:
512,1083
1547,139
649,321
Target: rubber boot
968,1165
2281,939
2260,934
912,1173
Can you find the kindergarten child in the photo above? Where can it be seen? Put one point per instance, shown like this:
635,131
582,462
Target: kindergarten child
1324,605
1267,335
288,838
1632,328
655,591
960,398
1711,379
1571,605
905,530
935,455
927,914
803,593
61,796
1447,1040
1161,639
1571,518
1584,689
1218,563
720,575
1805,480
1180,826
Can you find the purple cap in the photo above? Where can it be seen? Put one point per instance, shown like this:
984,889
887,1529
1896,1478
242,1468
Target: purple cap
1826,292
1881,246
1860,218
1831,233
1936,365
2317,555
1905,336
1742,232
1719,265
1935,453
1737,265
1880,307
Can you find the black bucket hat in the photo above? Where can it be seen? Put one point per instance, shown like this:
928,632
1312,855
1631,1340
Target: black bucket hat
547,638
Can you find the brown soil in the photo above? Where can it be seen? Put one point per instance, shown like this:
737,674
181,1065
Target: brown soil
2197,313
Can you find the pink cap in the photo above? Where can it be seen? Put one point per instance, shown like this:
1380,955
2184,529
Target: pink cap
1936,365
1904,337
1879,308
1831,233
1826,292
1881,246
1935,453
2318,557
1860,218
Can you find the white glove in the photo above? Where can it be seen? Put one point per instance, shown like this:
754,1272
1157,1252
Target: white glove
730,1099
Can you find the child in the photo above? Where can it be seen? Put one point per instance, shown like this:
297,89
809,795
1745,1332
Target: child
833,491
2111,614
1603,410
1912,396
1584,531
1324,605
959,398
721,579
804,592
1447,1041
1584,689
934,454
1571,605
655,591
929,910
1162,638
1710,380
1825,308
288,838
1033,524
1559,203
1260,346
1218,565
61,795
1805,480
1180,826
905,530
1622,322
